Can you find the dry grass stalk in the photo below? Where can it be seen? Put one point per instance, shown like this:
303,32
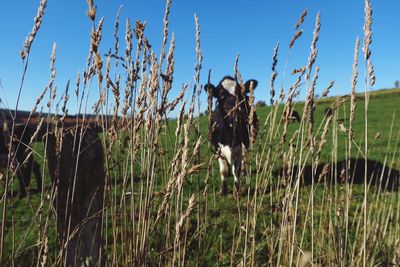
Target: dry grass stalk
327,89
232,110
314,50
353,106
50,85
323,139
115,91
180,120
132,76
306,259
39,99
91,13
274,74
193,201
51,81
53,94
115,87
65,101
139,34
209,103
38,129
196,149
165,31
154,82
77,85
353,103
371,75
128,58
177,171
116,30
95,37
185,149
309,107
141,100
52,66
172,105
324,172
108,69
197,86
301,19
45,252
98,65
236,67
288,107
295,37
368,41
167,78
128,40
36,26
198,54
253,130
295,71
162,210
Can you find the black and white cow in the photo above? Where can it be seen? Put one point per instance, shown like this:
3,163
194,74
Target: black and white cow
229,126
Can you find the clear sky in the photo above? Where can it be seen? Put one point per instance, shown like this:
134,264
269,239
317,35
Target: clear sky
250,28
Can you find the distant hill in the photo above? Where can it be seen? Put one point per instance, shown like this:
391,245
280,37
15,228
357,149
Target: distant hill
7,114
22,115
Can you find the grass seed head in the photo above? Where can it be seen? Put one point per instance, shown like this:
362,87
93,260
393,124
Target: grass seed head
301,19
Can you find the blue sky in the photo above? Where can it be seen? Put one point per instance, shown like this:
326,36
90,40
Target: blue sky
250,28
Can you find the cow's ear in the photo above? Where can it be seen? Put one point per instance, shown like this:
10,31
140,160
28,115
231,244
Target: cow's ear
211,89
250,84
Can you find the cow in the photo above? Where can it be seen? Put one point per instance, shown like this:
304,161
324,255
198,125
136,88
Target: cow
23,132
292,117
229,126
328,112
295,116
20,162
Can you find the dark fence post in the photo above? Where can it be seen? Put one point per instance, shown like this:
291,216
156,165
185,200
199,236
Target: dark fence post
76,164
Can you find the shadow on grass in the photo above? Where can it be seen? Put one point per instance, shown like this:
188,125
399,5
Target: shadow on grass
352,170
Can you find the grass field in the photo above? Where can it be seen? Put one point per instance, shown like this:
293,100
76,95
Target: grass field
218,229
161,202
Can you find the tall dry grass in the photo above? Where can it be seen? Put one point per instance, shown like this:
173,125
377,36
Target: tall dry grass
160,201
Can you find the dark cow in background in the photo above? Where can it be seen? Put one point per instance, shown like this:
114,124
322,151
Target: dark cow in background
19,162
295,117
23,131
229,126
328,112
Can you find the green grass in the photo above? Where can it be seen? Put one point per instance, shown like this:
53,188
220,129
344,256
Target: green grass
220,228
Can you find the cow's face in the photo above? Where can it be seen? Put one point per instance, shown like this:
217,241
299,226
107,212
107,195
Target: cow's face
230,96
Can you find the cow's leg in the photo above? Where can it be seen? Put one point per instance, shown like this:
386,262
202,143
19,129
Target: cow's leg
236,166
22,182
38,174
26,171
223,170
224,161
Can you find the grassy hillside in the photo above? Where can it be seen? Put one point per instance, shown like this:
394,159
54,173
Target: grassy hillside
223,225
